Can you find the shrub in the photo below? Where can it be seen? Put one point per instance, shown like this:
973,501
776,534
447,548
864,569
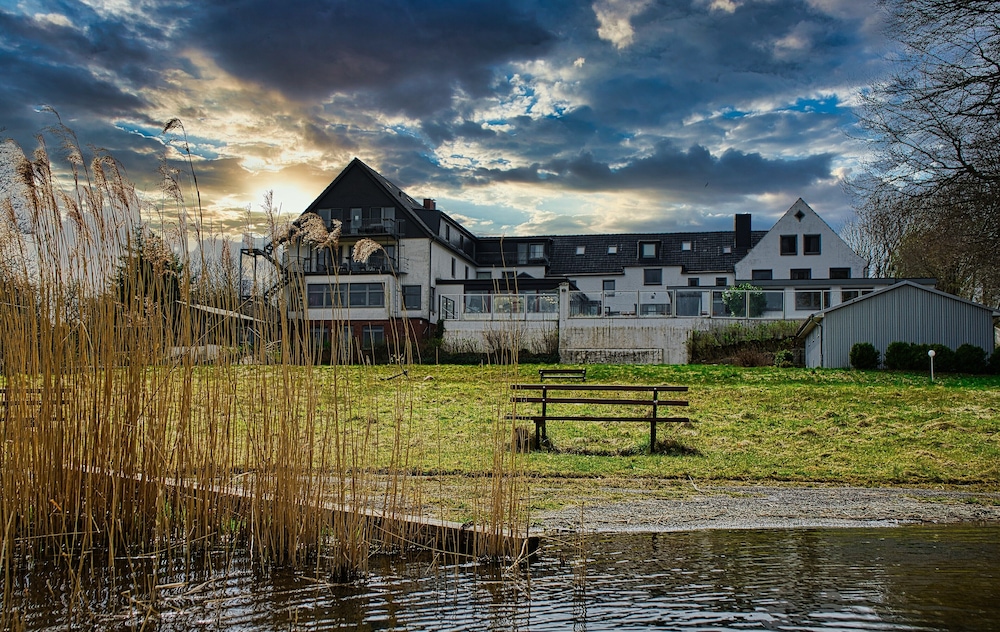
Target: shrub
944,360
993,366
898,356
784,359
752,357
864,356
970,359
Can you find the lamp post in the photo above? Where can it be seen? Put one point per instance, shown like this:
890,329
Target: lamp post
931,355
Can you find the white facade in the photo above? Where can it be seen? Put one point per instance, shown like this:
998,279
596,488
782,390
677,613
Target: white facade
798,242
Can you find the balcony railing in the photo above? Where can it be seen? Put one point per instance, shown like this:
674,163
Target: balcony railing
378,263
500,306
684,303
374,227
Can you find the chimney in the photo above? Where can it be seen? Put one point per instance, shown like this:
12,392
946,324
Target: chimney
429,204
742,230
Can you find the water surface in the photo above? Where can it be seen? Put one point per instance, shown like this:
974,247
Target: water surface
906,578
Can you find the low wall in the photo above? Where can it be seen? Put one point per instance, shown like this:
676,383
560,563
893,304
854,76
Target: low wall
476,336
627,340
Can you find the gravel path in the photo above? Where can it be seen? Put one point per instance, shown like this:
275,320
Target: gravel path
756,507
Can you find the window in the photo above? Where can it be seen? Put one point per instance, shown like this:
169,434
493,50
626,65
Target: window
800,274
809,300
647,249
762,275
847,295
685,245
536,251
447,232
365,295
484,274
372,336
721,282
453,267
466,272
727,250
581,250
652,276
789,244
613,250
608,286
694,282
411,297
840,273
810,244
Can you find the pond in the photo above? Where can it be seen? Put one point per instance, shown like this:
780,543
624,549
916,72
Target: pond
904,578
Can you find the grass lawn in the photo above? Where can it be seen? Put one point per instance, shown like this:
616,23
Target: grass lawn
749,424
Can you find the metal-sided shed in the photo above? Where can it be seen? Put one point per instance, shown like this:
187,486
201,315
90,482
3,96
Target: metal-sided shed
904,312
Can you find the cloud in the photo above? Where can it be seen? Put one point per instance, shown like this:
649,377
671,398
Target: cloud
669,169
408,56
614,18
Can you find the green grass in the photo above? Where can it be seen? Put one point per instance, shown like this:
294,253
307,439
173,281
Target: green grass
750,424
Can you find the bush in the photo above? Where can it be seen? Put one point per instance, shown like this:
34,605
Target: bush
993,366
784,359
898,356
864,356
970,359
944,360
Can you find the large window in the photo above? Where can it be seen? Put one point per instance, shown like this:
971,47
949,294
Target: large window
789,244
652,276
536,251
346,294
411,297
810,244
812,300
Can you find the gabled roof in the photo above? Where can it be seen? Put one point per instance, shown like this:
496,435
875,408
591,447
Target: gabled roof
814,319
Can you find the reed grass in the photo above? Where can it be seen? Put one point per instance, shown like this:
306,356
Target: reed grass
135,422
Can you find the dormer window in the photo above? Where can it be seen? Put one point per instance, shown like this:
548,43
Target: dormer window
536,251
647,249
686,245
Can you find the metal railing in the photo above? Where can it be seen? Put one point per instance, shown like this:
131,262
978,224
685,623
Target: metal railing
499,306
684,303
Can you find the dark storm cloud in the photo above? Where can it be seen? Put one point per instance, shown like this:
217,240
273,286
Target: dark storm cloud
411,55
689,171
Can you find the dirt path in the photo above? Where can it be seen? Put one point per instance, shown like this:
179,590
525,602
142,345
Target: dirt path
757,507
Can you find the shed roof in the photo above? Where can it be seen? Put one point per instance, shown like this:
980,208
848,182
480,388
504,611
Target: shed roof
814,319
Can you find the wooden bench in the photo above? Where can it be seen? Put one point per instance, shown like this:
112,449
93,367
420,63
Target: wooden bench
636,395
566,374
29,397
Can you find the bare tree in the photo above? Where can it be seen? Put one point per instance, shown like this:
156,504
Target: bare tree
929,198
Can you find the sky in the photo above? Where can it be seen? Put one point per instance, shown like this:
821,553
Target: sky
516,116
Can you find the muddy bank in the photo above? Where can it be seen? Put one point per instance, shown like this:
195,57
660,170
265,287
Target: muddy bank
760,507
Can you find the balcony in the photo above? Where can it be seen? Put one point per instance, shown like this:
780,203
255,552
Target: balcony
378,263
385,227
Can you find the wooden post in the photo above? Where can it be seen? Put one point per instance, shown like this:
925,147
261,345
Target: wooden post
652,424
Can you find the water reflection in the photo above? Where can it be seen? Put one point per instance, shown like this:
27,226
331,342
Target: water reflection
926,578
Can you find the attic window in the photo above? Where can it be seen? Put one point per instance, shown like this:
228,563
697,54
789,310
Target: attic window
647,249
727,250
581,250
612,250
799,215
685,245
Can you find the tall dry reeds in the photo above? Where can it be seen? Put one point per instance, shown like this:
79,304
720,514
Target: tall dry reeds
147,408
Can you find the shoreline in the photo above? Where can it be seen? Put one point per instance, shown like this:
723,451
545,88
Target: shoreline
732,506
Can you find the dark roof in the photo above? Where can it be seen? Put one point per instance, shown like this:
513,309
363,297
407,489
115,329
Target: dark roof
707,253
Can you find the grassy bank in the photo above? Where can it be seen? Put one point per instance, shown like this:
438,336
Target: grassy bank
750,424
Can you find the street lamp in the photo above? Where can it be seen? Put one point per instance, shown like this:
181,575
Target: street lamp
931,355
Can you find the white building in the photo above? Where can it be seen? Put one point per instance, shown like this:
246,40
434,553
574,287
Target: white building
597,293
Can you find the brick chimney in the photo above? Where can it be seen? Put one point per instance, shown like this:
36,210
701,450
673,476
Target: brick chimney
429,204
